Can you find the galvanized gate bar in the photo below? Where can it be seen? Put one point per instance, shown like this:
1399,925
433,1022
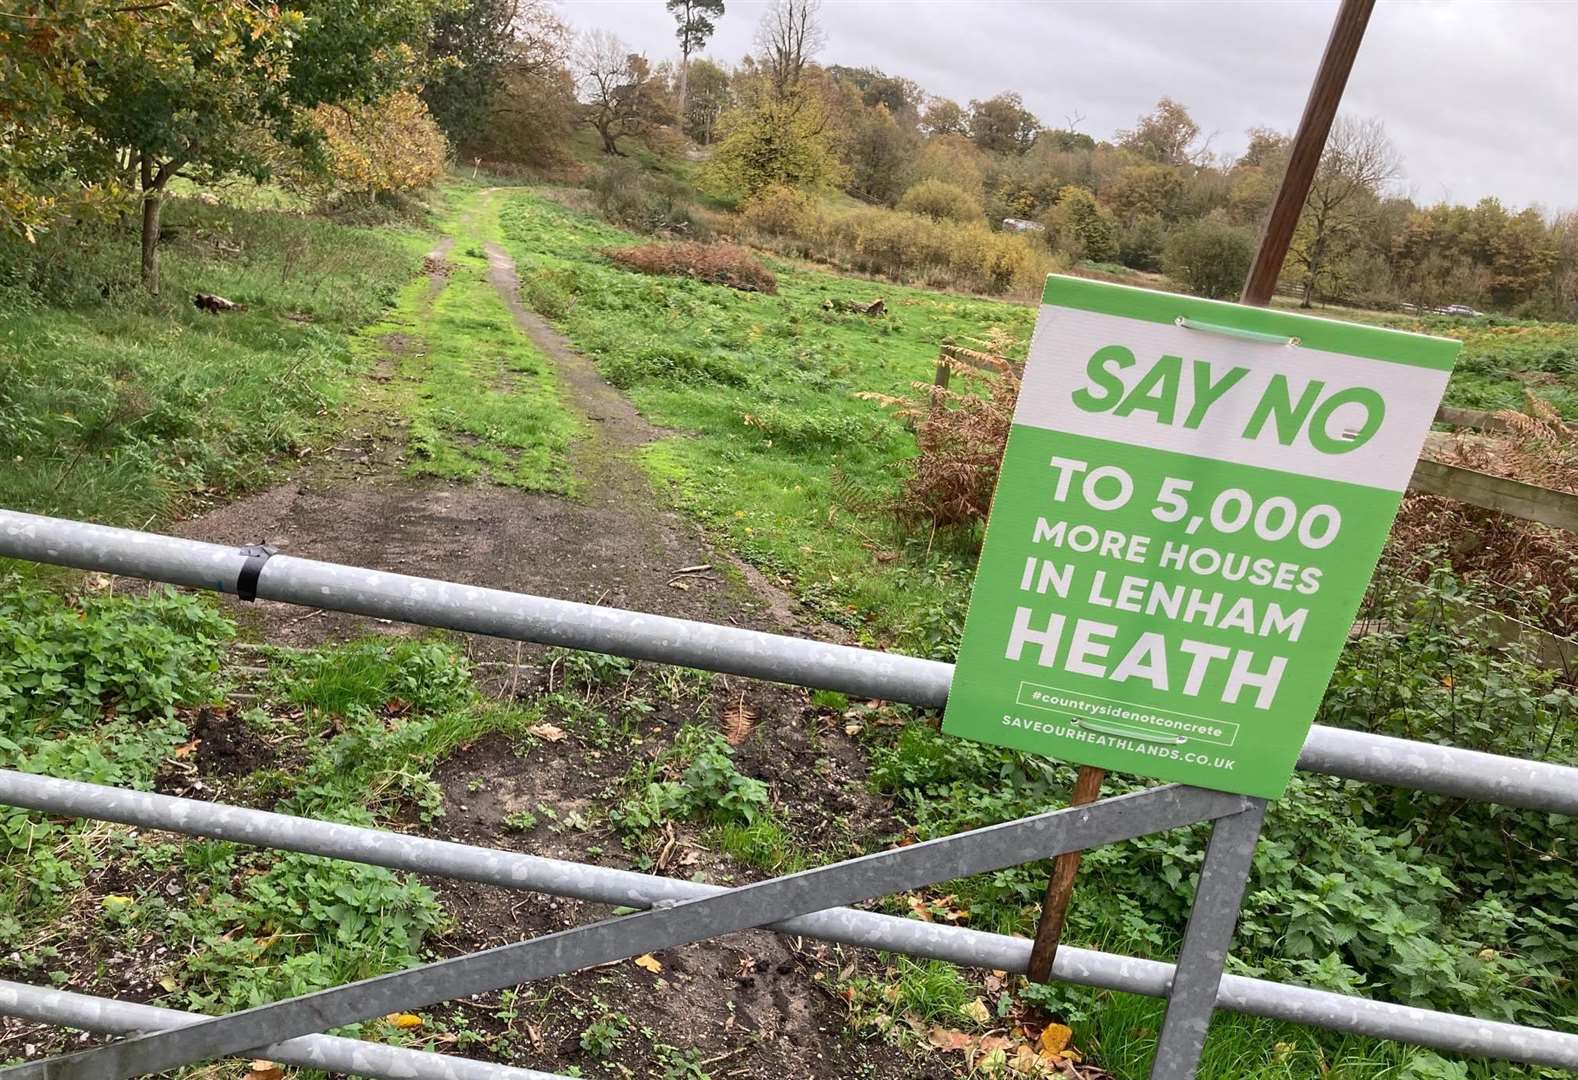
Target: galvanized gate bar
1191,999
954,944
1354,755
961,855
329,1053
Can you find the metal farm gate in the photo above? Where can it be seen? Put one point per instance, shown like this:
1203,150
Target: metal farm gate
677,912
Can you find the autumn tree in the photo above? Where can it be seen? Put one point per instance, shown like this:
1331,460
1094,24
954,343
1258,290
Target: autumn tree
789,36
695,22
1081,228
1164,135
944,117
955,160
203,88
46,51
1358,160
775,142
1002,124
1145,191
185,94
900,96
1256,175
380,147
879,153
619,95
709,95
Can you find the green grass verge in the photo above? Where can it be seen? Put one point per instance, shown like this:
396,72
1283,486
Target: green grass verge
119,407
779,456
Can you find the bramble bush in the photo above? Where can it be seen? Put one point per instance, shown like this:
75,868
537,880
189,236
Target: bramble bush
626,194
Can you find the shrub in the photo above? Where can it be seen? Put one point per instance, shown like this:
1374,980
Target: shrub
942,201
1140,243
1081,228
777,211
382,148
628,195
1209,258
719,264
912,248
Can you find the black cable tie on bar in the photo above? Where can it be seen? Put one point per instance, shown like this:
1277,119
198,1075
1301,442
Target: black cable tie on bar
247,580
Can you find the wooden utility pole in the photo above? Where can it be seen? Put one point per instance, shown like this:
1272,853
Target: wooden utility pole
1308,145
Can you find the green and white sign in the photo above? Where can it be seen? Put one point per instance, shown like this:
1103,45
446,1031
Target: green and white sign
1192,500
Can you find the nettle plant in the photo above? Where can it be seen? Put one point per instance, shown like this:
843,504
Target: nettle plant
1396,894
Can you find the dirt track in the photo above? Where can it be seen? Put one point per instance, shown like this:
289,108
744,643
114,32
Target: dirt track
748,1002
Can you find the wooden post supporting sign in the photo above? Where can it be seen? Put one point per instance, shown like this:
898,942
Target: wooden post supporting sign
1308,145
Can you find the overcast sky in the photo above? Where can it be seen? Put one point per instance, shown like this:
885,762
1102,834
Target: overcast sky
1480,97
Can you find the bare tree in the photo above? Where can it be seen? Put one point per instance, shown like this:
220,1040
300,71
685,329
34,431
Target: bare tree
1358,162
618,94
788,37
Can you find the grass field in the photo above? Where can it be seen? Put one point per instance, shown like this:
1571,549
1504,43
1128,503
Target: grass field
781,458
127,409
777,454
133,411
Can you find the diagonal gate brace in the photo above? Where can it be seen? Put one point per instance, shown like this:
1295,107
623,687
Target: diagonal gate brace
975,852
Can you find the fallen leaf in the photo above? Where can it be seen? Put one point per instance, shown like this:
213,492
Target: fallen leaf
648,962
185,749
988,1043
404,1021
116,903
1026,1061
1055,1037
950,1039
977,1011
263,1069
547,732
738,721
853,729
169,983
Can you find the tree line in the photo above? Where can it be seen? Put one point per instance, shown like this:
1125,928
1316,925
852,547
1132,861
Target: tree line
108,103
1152,197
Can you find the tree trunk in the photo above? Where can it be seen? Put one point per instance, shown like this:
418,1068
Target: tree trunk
152,204
684,77
610,140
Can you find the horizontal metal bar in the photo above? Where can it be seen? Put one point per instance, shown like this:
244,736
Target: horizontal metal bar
847,926
329,1053
471,608
866,877
1353,755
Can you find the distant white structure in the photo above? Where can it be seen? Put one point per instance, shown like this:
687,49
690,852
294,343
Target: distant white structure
1014,224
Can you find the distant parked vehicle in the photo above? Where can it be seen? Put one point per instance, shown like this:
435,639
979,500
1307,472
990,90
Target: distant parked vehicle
1013,224
1458,309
